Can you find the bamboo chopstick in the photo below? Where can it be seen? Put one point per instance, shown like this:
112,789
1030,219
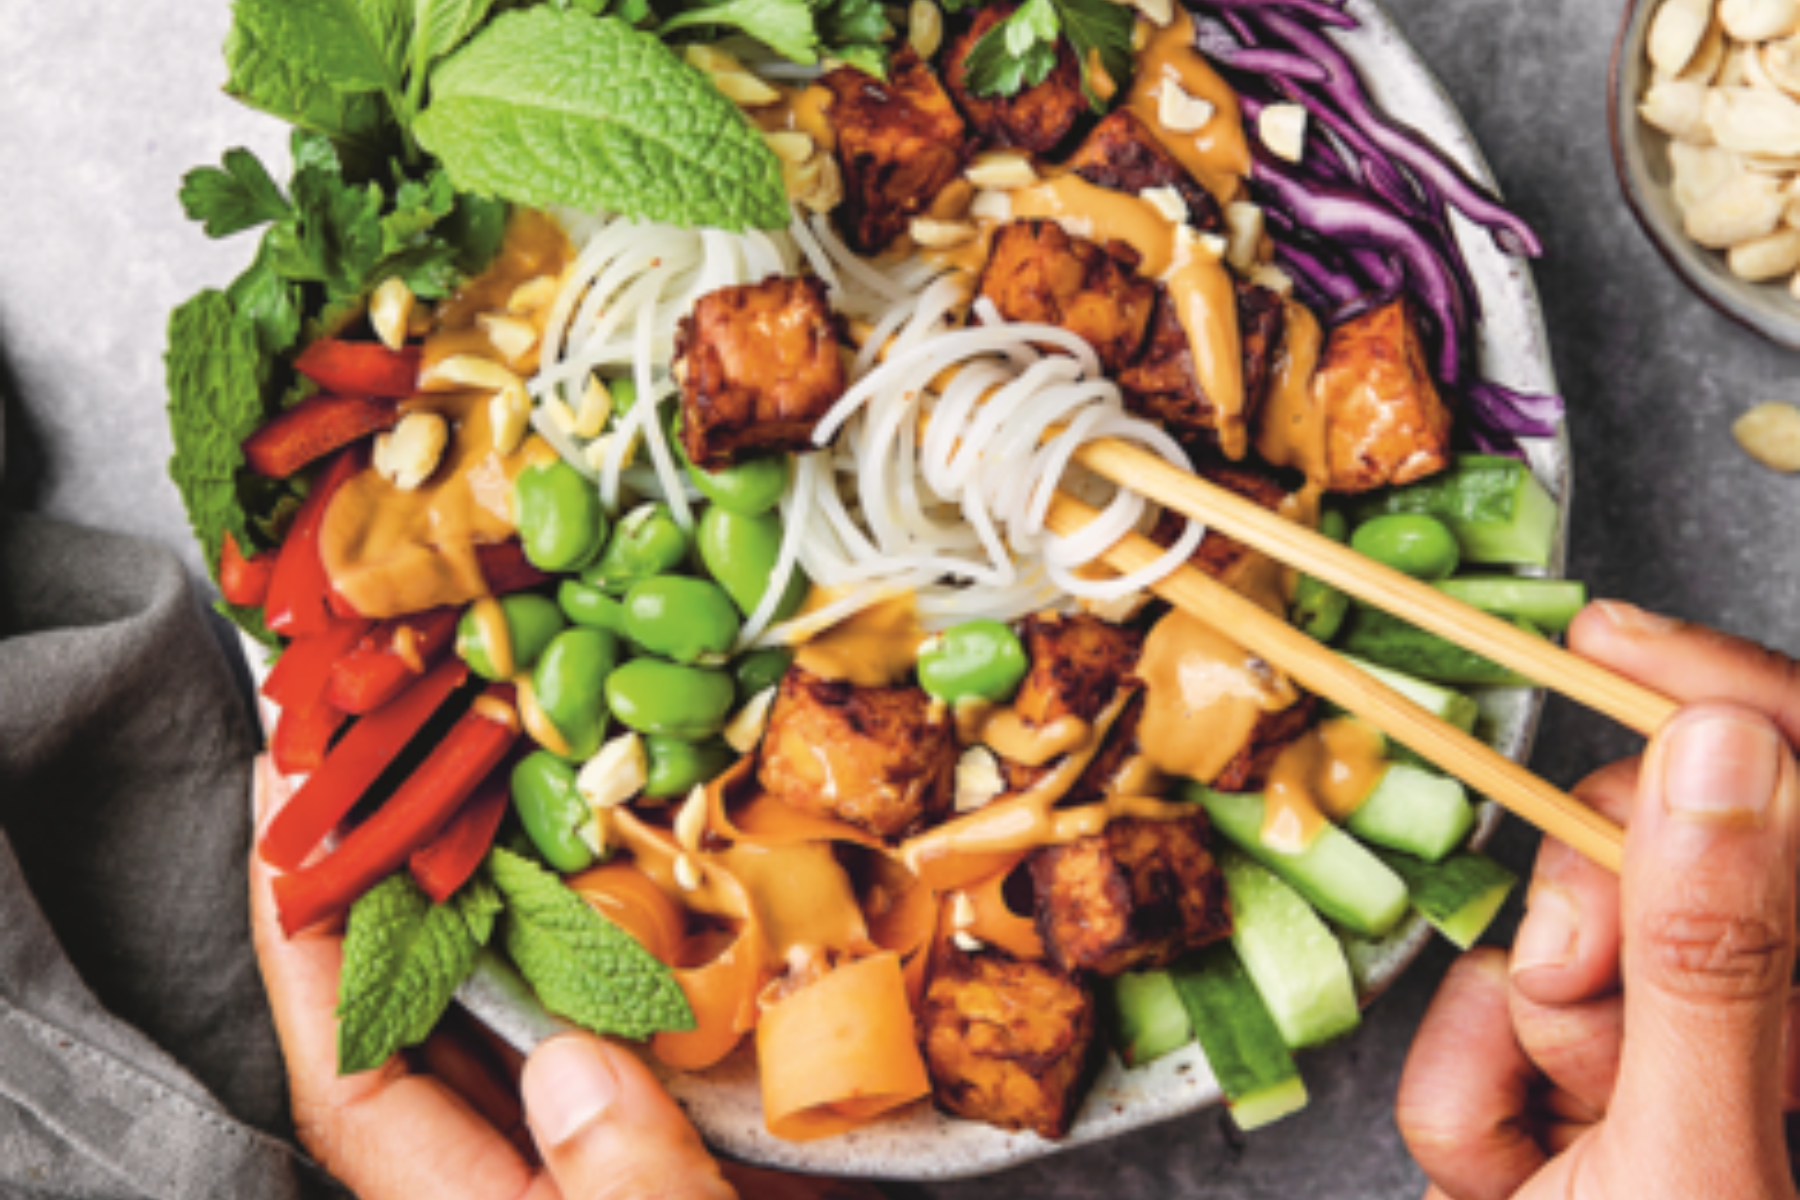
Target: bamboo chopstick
1323,672
1539,659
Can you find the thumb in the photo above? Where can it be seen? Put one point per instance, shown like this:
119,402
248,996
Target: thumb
1709,950
608,1131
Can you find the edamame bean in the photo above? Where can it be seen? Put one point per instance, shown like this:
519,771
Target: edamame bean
559,517
1413,543
677,766
570,685
688,620
552,810
624,393
652,696
760,670
740,553
751,487
527,622
977,660
1318,609
647,543
591,607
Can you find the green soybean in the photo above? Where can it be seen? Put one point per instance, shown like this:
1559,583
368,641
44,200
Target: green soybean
1318,608
591,607
552,810
647,543
677,766
751,487
652,696
760,670
531,622
979,660
570,685
560,520
1413,543
688,620
624,393
740,553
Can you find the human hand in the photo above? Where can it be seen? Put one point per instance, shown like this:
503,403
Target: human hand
593,1123
1643,1041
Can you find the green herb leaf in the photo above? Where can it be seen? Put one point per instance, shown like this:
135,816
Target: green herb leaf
269,302
404,958
269,81
240,197
870,60
582,965
1099,29
214,371
784,26
352,45
853,25
554,108
440,26
995,68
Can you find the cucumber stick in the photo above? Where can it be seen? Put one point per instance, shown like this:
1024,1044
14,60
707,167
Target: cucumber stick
1245,1049
1421,812
1441,702
1459,896
1145,1017
1498,511
1291,956
1337,874
1549,604
1389,641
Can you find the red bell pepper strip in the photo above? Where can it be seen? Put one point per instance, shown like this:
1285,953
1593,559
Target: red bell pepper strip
353,765
412,816
245,581
506,569
303,737
388,658
361,368
445,863
296,605
299,679
314,428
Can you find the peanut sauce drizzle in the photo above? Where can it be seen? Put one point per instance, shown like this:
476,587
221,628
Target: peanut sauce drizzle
1324,776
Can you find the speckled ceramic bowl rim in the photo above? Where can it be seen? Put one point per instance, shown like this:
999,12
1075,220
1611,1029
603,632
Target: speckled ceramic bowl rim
922,1144
1697,267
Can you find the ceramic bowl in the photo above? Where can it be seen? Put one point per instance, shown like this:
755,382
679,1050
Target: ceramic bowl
922,1144
1641,160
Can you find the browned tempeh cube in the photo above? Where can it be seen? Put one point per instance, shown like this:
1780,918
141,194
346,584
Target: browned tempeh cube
1386,423
1124,156
1162,384
1036,118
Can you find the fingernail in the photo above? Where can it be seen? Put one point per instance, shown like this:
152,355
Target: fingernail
1548,935
1629,618
568,1085
1720,767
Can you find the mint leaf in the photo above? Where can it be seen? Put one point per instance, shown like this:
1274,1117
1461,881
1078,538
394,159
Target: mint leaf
404,958
784,26
240,197
352,45
440,26
269,81
547,107
582,965
214,373
1099,30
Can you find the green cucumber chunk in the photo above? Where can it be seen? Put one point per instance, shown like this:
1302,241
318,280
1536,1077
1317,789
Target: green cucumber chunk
1336,873
1497,509
1417,811
1292,957
1460,896
1388,641
1549,604
1253,1065
1145,1019
1441,702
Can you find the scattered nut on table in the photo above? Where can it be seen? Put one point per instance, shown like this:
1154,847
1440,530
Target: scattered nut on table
1770,433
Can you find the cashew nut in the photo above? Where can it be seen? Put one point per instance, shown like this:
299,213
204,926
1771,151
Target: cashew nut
1747,207
1767,257
1678,108
1754,120
1759,20
1699,171
1676,33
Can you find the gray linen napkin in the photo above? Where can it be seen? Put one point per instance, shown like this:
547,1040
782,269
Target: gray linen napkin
137,1056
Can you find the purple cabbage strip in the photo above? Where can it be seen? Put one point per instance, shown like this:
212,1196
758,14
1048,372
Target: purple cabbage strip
1500,409
1433,169
1334,285
1215,40
1319,10
1378,269
1341,215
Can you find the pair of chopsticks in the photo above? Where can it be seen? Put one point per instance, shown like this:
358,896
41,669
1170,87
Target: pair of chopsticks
1324,673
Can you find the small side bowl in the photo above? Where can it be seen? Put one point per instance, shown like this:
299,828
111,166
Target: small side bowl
1641,159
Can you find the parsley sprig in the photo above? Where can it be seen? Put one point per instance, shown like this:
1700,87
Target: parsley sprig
1020,52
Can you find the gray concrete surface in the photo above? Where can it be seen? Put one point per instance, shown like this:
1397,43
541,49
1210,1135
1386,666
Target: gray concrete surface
104,103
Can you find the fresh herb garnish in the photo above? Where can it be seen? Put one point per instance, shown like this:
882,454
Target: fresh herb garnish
554,108
404,958
1020,52
581,965
801,31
